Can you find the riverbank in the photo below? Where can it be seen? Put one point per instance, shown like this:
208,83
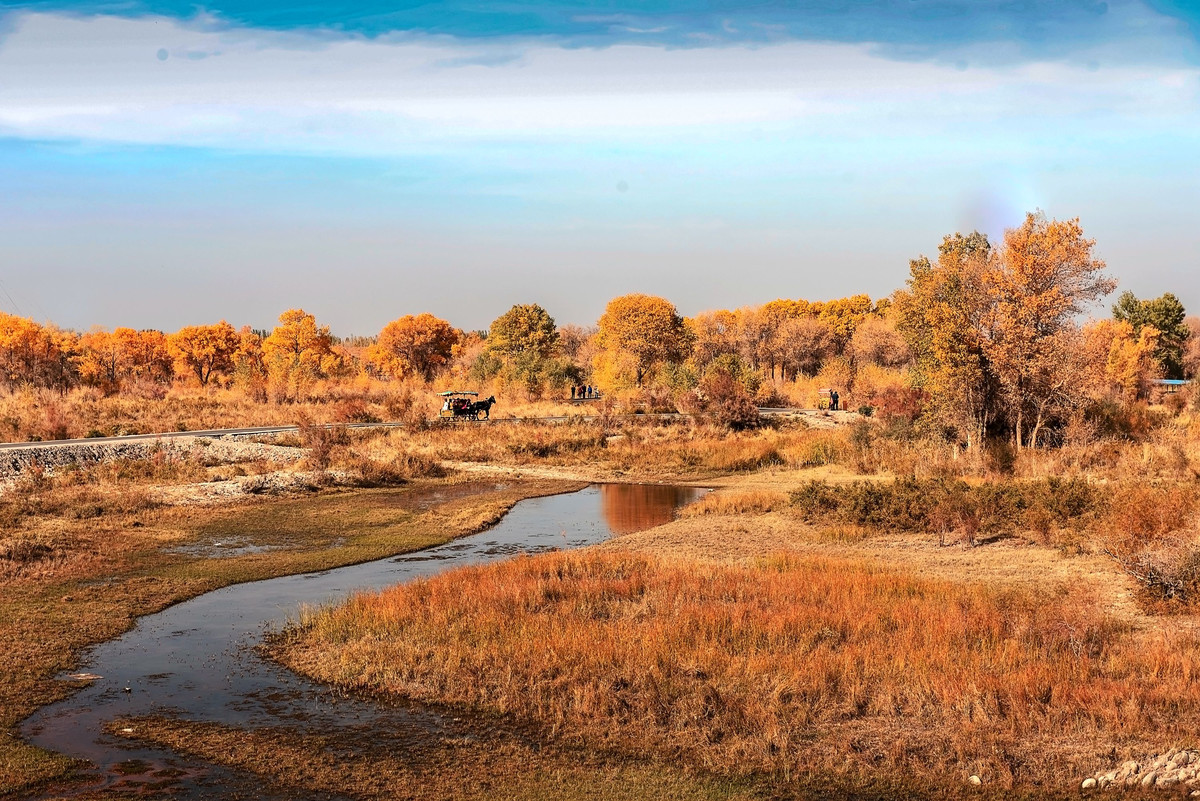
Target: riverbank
128,563
745,639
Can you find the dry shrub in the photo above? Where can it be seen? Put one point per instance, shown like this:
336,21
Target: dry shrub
353,410
946,507
393,471
319,441
1150,532
735,502
766,668
722,400
1140,514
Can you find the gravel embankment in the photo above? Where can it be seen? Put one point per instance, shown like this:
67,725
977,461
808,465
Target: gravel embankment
208,450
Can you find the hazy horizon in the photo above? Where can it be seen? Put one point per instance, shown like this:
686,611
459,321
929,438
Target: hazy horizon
163,166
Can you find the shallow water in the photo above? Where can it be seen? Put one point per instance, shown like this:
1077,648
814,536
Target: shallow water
197,660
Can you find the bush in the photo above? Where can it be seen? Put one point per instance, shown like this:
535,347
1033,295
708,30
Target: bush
724,401
353,410
945,506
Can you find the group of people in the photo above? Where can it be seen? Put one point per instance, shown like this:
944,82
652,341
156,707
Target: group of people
834,399
583,392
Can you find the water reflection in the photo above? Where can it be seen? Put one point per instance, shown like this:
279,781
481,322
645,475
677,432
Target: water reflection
637,507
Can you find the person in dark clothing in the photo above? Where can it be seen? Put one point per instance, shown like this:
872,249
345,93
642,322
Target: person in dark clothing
573,388
833,400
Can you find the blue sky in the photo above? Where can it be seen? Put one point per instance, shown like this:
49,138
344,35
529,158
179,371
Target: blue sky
163,164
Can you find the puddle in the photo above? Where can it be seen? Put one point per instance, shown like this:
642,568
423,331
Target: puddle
222,550
197,659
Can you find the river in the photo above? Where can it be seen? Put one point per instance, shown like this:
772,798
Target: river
198,659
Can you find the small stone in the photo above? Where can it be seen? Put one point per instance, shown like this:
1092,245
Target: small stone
975,780
1167,781
1149,779
1089,784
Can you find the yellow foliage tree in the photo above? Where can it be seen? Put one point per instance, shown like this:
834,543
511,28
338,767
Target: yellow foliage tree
204,350
297,354
1121,361
637,333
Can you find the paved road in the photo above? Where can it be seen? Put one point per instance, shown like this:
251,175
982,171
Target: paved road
246,432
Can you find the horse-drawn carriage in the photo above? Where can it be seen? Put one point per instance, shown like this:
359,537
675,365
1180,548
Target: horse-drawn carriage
460,405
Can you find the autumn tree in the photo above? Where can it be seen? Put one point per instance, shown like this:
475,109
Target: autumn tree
638,333
713,334
1117,361
419,345
297,353
942,318
110,359
525,329
1044,276
1191,353
876,341
204,350
34,354
803,344
249,367
1164,313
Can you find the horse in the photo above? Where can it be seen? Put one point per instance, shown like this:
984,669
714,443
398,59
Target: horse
483,408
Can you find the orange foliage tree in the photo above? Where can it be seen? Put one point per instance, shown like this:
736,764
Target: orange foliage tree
1043,277
34,354
419,345
993,332
110,359
204,350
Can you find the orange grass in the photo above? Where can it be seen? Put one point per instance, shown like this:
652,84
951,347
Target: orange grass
793,665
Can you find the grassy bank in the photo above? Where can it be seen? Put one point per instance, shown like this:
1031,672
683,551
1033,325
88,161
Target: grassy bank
793,666
134,559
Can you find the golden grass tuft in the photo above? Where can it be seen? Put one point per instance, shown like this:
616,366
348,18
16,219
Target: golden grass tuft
774,667
736,502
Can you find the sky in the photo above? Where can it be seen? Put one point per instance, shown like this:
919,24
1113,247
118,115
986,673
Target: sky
164,163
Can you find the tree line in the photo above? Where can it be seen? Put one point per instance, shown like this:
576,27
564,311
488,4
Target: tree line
985,339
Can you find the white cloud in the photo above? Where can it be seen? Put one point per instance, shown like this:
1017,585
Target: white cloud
103,78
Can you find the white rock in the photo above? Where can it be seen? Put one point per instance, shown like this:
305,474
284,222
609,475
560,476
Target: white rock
1088,784
1149,779
975,780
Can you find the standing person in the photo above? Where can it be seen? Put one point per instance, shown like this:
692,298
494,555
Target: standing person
573,388
836,400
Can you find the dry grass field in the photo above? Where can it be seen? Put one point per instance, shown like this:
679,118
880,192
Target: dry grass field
856,611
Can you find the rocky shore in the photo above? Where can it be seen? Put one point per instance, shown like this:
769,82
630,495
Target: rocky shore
1173,770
